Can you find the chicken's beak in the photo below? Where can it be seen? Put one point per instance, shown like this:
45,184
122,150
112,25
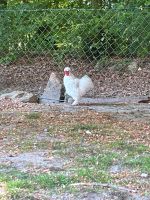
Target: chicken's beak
66,73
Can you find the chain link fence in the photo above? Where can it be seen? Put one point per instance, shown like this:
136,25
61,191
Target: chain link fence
87,40
84,34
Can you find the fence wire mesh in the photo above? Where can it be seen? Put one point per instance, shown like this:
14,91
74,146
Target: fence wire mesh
88,40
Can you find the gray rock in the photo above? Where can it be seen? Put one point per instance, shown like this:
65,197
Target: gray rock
52,91
116,169
132,67
144,175
22,96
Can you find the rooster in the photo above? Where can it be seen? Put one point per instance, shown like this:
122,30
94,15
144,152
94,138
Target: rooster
75,87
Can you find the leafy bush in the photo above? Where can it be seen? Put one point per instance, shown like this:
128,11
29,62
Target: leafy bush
92,34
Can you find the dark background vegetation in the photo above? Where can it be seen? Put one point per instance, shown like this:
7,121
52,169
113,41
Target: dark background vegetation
74,3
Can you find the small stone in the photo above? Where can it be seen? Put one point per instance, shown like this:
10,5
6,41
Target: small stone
11,155
88,132
115,169
70,100
144,175
21,96
132,67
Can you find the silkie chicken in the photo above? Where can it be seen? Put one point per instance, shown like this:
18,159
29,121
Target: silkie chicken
75,87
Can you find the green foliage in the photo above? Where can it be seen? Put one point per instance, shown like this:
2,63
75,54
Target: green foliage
90,34
76,3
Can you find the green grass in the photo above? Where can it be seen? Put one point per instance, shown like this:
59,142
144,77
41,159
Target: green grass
142,163
84,127
99,162
98,129
51,130
17,182
86,174
130,148
94,168
27,145
49,181
59,145
133,155
33,115
30,145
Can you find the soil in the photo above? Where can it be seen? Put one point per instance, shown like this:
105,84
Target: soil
111,80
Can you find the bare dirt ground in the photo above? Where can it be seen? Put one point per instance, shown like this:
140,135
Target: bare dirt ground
112,79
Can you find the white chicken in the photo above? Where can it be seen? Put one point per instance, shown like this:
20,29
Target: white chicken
75,87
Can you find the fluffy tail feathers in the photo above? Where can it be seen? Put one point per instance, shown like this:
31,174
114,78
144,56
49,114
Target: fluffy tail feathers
85,85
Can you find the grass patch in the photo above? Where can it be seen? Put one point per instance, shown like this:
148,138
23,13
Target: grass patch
30,145
50,181
27,145
131,149
142,163
99,162
51,130
16,182
33,115
84,127
92,175
19,182
59,145
133,155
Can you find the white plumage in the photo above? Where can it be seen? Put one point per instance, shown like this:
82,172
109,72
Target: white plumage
75,87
